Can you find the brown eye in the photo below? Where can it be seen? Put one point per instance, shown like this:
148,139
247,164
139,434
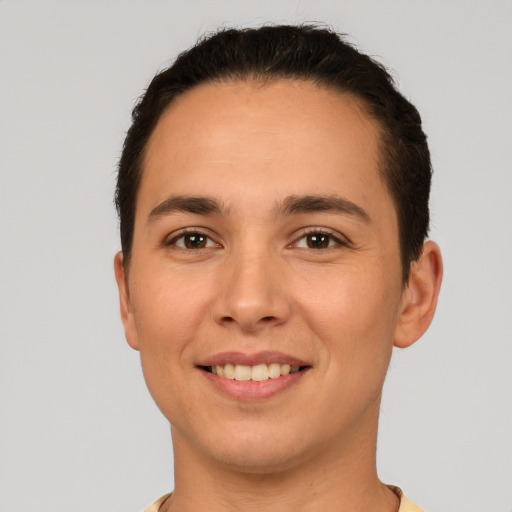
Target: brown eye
193,241
318,241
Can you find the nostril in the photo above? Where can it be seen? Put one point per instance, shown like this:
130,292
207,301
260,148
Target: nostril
268,318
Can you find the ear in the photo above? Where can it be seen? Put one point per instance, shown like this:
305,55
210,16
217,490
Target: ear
419,299
125,304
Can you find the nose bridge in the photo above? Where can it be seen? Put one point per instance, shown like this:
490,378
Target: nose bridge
251,294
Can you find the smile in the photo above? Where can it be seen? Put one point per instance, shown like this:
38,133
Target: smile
253,376
256,373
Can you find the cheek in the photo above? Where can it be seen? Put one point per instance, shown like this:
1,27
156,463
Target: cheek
353,317
168,313
352,323
168,308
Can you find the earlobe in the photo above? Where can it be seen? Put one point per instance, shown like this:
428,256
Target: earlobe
419,299
125,304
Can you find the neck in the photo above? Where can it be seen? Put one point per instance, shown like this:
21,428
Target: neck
335,479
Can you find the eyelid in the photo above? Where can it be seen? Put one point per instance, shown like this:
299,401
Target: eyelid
337,237
170,239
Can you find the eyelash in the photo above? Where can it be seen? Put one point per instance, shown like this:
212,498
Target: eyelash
189,232
332,241
323,233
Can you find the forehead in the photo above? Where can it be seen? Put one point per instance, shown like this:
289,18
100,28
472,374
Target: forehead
236,136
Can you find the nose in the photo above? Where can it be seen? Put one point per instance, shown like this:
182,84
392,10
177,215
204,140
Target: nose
252,293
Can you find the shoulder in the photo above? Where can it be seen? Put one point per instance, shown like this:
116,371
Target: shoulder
157,504
405,504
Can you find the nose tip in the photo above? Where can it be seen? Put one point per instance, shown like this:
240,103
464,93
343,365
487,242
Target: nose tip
249,319
251,297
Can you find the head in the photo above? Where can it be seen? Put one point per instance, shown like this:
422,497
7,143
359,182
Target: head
273,193
305,53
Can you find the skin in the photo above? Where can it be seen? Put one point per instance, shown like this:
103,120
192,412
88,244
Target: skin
260,284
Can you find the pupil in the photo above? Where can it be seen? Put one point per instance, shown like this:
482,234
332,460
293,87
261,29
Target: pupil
195,241
318,241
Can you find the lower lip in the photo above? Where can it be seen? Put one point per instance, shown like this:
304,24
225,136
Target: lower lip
251,390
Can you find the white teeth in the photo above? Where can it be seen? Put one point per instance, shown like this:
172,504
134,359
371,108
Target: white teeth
274,370
229,371
242,372
257,373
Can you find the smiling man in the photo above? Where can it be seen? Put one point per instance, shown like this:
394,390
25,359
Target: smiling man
273,197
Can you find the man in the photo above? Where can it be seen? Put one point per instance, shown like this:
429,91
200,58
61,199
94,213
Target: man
273,197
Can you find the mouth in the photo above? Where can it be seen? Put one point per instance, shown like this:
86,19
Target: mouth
255,373
253,377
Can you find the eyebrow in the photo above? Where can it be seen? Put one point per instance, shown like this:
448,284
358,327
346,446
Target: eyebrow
319,203
292,205
189,204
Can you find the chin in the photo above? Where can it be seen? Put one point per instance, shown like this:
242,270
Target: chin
256,461
256,451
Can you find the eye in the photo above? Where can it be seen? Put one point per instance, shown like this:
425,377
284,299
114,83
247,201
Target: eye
192,240
317,240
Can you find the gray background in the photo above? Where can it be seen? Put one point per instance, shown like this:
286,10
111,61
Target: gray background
78,431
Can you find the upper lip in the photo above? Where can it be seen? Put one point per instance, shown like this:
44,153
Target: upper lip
262,357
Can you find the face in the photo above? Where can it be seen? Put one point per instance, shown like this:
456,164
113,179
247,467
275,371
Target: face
264,289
